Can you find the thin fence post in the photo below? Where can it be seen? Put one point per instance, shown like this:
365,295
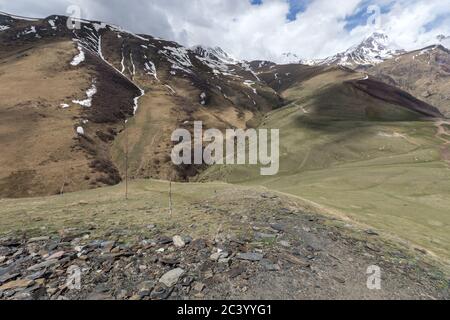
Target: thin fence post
170,197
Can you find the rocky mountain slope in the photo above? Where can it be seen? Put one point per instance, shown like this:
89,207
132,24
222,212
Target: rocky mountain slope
425,73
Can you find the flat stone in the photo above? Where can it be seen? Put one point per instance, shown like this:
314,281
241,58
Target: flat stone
56,255
187,239
171,278
340,280
37,275
21,283
269,265
160,293
198,286
178,242
250,256
265,236
372,232
169,261
285,243
43,265
164,240
296,260
225,261
218,255
38,239
278,227
9,276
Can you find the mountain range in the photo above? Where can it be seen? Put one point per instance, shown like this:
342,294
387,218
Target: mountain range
80,101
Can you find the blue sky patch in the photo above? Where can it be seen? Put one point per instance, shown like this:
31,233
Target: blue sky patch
362,15
295,6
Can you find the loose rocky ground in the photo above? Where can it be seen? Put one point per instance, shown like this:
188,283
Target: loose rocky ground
265,246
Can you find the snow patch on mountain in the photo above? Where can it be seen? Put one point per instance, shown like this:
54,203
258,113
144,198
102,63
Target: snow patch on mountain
3,28
52,24
136,101
80,131
79,58
179,57
89,94
150,68
215,58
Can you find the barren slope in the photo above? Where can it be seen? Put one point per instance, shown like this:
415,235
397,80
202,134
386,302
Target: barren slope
424,73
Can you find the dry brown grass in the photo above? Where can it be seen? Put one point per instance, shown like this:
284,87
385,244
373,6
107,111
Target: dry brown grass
34,130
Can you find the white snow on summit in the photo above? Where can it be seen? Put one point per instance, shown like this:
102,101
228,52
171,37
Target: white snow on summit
373,50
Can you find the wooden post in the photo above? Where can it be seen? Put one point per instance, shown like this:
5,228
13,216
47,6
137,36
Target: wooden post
126,161
170,197
61,191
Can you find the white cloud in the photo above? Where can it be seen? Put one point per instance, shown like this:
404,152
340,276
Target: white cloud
256,32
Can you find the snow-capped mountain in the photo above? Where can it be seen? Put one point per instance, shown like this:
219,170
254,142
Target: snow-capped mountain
215,58
373,50
289,58
216,53
292,58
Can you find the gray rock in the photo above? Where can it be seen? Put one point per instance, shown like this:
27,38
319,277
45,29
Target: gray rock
160,293
43,265
198,286
285,243
264,236
37,275
164,240
269,265
146,288
38,239
278,227
372,232
9,276
187,239
219,255
250,256
171,278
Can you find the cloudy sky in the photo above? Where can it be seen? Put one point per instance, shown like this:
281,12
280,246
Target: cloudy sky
263,29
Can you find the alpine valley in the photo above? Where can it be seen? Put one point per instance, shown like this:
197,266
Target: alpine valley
87,113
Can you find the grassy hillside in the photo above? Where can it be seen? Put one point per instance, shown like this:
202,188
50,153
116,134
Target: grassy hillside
389,174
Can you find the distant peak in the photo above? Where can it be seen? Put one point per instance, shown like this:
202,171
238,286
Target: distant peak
215,53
